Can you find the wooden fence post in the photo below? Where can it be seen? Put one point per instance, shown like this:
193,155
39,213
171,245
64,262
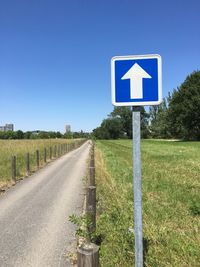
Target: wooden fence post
58,151
92,167
91,208
13,166
27,159
50,152
92,162
45,155
37,159
88,255
92,176
55,148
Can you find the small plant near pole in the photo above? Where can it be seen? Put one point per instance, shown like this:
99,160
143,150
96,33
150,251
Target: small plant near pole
87,252
83,223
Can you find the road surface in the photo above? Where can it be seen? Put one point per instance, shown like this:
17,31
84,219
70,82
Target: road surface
34,226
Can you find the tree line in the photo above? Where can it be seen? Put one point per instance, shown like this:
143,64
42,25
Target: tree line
41,135
178,116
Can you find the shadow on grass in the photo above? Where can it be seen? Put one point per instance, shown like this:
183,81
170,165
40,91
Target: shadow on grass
98,239
146,243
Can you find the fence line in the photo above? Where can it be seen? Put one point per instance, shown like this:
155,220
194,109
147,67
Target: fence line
88,252
54,153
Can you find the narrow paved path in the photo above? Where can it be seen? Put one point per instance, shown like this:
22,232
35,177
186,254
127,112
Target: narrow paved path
34,226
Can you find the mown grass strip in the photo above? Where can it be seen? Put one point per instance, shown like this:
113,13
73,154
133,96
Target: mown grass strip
171,193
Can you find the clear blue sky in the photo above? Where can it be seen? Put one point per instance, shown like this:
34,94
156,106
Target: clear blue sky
55,55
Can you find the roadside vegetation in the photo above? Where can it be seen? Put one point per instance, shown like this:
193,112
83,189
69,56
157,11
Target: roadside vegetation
171,209
19,148
41,135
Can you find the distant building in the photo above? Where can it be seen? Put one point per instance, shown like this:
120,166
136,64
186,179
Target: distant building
67,128
7,127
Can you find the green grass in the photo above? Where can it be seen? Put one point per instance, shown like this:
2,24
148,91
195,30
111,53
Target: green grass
19,148
171,197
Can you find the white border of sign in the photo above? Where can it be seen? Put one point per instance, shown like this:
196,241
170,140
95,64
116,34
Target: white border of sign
147,103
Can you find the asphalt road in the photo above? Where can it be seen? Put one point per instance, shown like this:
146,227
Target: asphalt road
34,226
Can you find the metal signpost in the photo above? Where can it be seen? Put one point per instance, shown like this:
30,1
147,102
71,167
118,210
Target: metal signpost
136,81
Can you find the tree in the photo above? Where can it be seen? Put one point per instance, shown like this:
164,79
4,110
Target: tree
58,135
98,133
144,123
119,124
184,109
80,134
111,128
43,135
19,134
125,116
68,135
159,122
52,134
27,135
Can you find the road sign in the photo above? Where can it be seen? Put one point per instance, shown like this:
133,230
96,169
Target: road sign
136,80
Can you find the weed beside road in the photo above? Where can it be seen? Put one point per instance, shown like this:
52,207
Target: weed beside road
171,197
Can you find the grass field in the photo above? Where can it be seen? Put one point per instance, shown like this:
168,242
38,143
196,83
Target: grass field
19,148
171,203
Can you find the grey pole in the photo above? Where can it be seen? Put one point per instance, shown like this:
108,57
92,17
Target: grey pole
137,188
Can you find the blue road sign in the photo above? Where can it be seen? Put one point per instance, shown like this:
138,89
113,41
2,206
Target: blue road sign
136,80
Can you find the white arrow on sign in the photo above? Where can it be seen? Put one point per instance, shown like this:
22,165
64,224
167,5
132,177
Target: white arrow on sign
136,74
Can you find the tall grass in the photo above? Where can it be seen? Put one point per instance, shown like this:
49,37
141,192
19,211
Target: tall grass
171,197
19,148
